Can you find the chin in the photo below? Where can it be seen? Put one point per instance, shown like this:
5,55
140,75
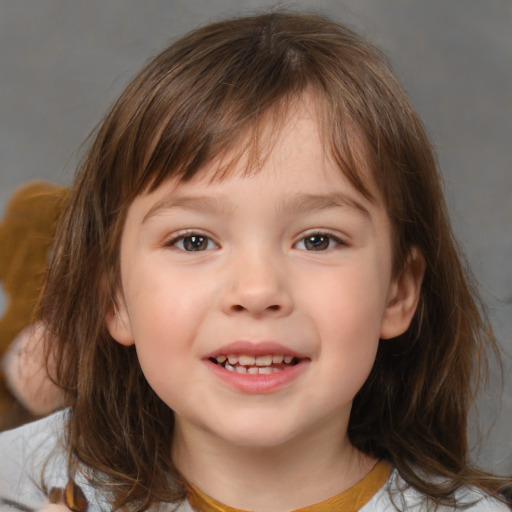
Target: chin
257,435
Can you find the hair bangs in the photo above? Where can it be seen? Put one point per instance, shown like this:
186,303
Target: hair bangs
231,97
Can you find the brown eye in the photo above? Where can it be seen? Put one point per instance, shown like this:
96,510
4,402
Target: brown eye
193,243
316,242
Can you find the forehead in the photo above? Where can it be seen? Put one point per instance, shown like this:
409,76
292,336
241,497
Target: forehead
275,136
294,158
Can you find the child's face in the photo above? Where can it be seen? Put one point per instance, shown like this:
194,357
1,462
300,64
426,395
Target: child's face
291,262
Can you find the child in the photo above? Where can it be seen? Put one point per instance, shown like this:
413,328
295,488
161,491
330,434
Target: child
259,301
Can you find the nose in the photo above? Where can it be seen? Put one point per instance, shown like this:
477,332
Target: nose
257,286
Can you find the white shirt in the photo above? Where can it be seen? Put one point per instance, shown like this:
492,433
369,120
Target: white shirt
34,455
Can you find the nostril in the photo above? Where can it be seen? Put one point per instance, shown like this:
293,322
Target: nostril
238,307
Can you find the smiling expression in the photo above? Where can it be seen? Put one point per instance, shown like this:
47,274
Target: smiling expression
256,302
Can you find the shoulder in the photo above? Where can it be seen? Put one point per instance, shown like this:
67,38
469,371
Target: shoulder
395,495
28,454
33,459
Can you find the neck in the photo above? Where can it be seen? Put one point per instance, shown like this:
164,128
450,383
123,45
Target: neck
298,473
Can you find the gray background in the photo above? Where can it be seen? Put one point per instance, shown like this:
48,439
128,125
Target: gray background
63,62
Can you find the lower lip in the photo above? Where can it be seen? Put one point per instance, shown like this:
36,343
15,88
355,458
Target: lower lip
258,384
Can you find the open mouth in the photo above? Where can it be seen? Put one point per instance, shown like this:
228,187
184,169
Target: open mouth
255,365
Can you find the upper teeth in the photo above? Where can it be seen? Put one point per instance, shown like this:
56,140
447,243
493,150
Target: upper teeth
248,360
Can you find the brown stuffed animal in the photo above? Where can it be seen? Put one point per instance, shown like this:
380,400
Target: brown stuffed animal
26,237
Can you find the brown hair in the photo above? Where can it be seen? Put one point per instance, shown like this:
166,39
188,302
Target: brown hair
199,100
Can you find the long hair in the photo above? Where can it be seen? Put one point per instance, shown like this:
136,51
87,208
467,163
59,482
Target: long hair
209,96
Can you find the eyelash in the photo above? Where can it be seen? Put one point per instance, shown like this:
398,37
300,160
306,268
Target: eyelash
190,239
332,241
190,236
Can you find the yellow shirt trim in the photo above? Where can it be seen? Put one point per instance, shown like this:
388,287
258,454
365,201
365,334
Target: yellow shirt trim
350,500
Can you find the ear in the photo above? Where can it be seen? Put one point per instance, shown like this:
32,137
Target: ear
118,323
403,296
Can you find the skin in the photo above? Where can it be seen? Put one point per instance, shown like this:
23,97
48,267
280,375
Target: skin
257,279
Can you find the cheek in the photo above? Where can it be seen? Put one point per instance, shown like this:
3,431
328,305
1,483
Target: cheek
166,310
352,301
164,339
162,299
347,313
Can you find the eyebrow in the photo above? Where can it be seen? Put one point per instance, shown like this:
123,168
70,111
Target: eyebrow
296,204
201,204
302,203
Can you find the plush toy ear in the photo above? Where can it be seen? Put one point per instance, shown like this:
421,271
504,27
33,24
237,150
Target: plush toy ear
118,323
403,296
